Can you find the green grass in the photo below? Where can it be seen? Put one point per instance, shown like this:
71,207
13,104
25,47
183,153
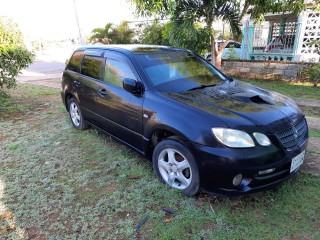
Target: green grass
22,100
60,183
293,89
30,90
314,152
314,132
56,81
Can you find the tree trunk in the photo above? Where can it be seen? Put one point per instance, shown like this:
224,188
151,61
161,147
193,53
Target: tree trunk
218,59
218,52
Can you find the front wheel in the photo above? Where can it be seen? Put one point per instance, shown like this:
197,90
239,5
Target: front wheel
176,166
76,116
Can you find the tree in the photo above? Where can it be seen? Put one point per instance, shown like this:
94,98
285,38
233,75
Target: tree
13,54
154,34
122,34
112,34
258,8
102,35
193,37
187,13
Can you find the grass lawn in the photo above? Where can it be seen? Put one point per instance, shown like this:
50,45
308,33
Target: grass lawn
314,132
59,183
293,89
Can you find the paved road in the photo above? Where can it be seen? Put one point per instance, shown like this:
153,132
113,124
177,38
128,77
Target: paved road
48,64
47,68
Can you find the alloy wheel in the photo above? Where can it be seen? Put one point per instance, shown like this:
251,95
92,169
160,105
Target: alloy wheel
175,169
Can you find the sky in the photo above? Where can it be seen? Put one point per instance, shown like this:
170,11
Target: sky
56,19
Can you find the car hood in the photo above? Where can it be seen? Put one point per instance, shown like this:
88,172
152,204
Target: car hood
242,105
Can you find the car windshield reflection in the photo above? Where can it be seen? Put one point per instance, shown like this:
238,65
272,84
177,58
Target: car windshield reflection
178,71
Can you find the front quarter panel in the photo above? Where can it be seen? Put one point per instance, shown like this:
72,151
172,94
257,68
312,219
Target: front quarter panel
193,125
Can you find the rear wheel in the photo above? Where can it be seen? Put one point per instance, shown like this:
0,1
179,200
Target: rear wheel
76,116
176,166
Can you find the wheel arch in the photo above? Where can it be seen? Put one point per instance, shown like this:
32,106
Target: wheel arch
67,97
161,133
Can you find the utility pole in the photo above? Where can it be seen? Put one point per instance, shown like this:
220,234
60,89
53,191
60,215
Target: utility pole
76,13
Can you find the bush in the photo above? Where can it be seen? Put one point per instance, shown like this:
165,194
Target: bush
13,54
311,74
233,53
154,35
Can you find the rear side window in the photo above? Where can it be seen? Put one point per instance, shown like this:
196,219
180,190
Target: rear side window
92,67
75,61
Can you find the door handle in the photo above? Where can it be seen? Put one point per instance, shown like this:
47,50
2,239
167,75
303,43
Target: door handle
103,92
76,82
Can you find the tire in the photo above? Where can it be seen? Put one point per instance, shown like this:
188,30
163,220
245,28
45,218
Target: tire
76,115
175,165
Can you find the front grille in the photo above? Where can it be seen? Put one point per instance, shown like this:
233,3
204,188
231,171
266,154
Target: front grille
292,136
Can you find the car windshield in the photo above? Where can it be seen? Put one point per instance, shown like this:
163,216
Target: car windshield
177,71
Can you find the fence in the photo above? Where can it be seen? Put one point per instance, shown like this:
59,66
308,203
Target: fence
271,41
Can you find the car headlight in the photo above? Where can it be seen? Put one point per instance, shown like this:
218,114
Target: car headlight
233,138
262,139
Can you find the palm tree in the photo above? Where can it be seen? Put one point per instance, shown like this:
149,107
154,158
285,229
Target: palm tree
102,35
122,34
187,12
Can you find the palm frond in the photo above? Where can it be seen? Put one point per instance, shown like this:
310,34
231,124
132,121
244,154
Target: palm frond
208,11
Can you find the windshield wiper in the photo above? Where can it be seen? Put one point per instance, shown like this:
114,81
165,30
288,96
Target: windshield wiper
202,86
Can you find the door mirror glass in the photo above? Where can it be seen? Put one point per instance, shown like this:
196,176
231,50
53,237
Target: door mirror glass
132,86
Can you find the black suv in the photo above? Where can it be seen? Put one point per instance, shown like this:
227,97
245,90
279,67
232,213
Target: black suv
202,129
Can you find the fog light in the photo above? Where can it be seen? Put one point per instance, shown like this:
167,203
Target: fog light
267,171
237,179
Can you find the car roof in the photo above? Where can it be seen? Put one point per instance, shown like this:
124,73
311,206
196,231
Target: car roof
133,48
231,41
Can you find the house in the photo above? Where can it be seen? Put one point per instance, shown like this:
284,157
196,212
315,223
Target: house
283,37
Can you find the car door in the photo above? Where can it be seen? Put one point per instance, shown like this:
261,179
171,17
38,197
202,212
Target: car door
120,112
92,70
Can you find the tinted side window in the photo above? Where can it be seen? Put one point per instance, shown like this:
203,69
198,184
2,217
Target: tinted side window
75,61
117,71
92,67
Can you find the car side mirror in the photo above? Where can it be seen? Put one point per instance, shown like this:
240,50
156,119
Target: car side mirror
132,86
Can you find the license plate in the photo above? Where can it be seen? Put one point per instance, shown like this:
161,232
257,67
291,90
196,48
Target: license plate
297,161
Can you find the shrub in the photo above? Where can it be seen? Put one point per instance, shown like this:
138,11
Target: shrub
233,53
13,54
311,74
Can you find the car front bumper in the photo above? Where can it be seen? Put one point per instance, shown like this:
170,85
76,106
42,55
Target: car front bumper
261,167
